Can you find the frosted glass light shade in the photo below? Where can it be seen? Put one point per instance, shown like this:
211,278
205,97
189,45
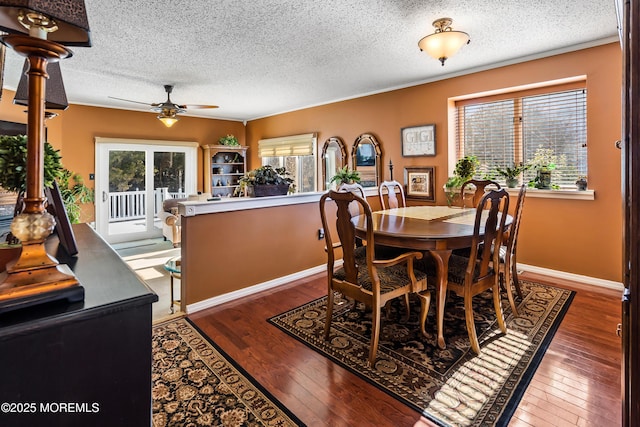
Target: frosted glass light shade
445,42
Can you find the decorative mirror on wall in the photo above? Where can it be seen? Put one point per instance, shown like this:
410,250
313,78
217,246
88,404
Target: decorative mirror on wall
366,158
334,158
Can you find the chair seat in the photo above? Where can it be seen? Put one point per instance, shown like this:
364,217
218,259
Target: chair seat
391,278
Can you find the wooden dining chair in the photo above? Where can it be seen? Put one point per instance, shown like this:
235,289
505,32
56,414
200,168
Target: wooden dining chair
362,276
481,188
470,276
393,199
354,207
507,254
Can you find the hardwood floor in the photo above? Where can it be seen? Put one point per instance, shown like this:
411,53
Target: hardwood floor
577,383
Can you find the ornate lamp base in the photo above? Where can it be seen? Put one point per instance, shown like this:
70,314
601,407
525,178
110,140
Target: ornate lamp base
32,287
36,277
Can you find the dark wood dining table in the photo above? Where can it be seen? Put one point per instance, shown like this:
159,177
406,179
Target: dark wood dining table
434,229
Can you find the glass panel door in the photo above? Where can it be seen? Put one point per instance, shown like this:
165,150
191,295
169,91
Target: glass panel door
127,192
133,180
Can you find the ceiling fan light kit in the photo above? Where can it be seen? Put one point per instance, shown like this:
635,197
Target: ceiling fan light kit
168,109
444,42
168,117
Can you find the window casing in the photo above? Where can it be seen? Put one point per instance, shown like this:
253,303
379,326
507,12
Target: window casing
523,127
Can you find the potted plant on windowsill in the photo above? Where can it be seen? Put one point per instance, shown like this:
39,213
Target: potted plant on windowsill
465,170
266,181
545,161
512,174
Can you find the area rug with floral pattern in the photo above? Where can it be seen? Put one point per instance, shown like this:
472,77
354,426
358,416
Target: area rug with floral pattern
194,383
453,386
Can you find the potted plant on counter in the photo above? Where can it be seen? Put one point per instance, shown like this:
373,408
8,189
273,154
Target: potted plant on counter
512,174
345,176
266,181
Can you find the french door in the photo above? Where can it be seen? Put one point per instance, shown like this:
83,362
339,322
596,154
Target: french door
133,178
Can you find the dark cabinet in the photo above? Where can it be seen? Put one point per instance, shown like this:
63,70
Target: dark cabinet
86,363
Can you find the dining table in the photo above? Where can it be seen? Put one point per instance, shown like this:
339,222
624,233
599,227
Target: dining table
436,230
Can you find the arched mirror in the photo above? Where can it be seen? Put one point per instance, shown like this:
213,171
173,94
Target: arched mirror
334,158
366,158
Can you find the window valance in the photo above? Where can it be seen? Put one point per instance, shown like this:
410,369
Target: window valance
294,145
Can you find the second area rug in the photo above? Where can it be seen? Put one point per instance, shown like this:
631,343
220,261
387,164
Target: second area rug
452,386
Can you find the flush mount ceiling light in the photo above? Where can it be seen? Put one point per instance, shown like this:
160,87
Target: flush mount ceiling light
445,42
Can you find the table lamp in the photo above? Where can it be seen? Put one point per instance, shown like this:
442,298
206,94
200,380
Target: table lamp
40,31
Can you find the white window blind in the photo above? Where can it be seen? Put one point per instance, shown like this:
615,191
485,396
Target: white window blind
295,145
521,129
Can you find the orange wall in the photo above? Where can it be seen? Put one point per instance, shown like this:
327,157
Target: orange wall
582,237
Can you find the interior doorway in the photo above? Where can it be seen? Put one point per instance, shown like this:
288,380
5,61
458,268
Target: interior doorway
133,178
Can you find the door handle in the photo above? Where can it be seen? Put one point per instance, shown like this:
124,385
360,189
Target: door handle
619,330
104,196
619,144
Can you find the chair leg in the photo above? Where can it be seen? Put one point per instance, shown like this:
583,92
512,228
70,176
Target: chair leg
471,325
497,305
514,275
407,306
327,322
505,279
387,308
375,336
425,301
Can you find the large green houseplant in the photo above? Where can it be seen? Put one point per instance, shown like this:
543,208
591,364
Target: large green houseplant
13,174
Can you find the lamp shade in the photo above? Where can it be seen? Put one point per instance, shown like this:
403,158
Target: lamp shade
168,119
55,96
70,17
445,42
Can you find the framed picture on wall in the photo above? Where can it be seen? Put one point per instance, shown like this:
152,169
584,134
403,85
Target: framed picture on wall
419,181
418,141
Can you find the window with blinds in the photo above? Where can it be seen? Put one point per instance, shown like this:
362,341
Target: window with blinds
296,154
532,128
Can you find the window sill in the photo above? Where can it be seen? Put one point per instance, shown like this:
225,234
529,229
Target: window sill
556,194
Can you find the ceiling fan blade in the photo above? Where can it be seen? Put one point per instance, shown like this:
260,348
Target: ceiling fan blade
199,107
128,100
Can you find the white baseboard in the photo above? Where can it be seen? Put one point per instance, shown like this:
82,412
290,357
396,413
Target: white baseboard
220,299
610,284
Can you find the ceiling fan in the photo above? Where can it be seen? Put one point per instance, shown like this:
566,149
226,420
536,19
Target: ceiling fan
168,110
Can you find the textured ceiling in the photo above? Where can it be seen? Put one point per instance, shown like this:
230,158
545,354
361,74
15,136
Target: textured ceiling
262,57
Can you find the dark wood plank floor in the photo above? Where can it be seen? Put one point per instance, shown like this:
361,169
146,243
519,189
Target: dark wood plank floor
577,383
